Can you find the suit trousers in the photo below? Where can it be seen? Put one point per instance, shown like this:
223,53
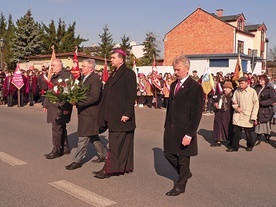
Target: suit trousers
59,139
237,135
181,164
82,147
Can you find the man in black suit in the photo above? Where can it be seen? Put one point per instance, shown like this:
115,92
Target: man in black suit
117,112
88,109
58,113
183,116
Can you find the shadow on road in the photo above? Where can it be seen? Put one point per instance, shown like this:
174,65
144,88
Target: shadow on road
206,134
162,166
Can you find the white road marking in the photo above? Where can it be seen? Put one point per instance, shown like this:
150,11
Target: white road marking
82,194
11,160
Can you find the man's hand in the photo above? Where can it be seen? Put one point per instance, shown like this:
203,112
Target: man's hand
124,119
239,109
186,141
44,109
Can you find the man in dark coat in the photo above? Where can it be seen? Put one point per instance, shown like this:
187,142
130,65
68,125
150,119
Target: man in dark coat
88,109
117,111
58,114
182,120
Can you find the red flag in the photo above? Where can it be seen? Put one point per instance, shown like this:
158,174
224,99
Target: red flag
75,69
52,58
105,72
155,78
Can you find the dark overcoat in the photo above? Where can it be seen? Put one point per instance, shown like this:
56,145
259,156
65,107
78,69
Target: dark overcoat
183,116
118,100
55,111
266,98
88,109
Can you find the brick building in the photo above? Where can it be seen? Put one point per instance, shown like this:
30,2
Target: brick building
219,39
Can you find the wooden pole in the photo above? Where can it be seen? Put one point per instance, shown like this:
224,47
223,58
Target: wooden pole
18,97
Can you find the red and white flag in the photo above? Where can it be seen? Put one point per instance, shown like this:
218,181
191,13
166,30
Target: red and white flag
75,68
155,78
105,72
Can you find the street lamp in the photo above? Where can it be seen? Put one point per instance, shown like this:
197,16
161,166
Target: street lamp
2,45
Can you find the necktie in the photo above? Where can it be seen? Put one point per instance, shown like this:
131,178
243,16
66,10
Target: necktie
178,85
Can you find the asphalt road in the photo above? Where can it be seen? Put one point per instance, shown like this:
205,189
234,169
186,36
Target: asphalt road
219,178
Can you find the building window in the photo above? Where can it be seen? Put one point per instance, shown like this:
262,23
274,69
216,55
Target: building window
249,52
262,35
219,63
240,23
240,46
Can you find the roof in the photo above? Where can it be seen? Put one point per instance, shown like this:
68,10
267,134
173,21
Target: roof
224,19
230,18
252,27
80,54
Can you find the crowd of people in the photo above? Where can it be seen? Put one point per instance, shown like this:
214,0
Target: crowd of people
34,86
248,104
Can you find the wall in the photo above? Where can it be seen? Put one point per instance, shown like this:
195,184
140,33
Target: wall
199,33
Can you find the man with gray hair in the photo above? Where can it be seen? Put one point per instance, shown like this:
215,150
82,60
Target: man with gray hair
88,109
183,116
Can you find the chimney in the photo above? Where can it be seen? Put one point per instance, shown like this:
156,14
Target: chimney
219,12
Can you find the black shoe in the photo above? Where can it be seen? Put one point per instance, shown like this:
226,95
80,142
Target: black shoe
231,150
52,155
73,166
216,144
267,140
99,160
249,149
175,192
100,174
190,175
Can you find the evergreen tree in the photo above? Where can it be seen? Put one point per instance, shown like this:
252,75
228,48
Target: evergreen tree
9,54
106,45
125,46
63,40
49,37
28,37
150,49
3,25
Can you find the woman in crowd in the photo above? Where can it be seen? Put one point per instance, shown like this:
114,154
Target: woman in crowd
141,89
223,128
267,96
253,82
149,91
167,86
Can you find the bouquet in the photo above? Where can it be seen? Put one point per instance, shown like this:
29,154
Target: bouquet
67,91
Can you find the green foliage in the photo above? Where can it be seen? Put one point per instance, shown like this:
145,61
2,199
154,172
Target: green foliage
67,91
106,45
125,46
151,50
63,40
27,38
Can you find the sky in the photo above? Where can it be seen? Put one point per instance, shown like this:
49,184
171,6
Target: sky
136,18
